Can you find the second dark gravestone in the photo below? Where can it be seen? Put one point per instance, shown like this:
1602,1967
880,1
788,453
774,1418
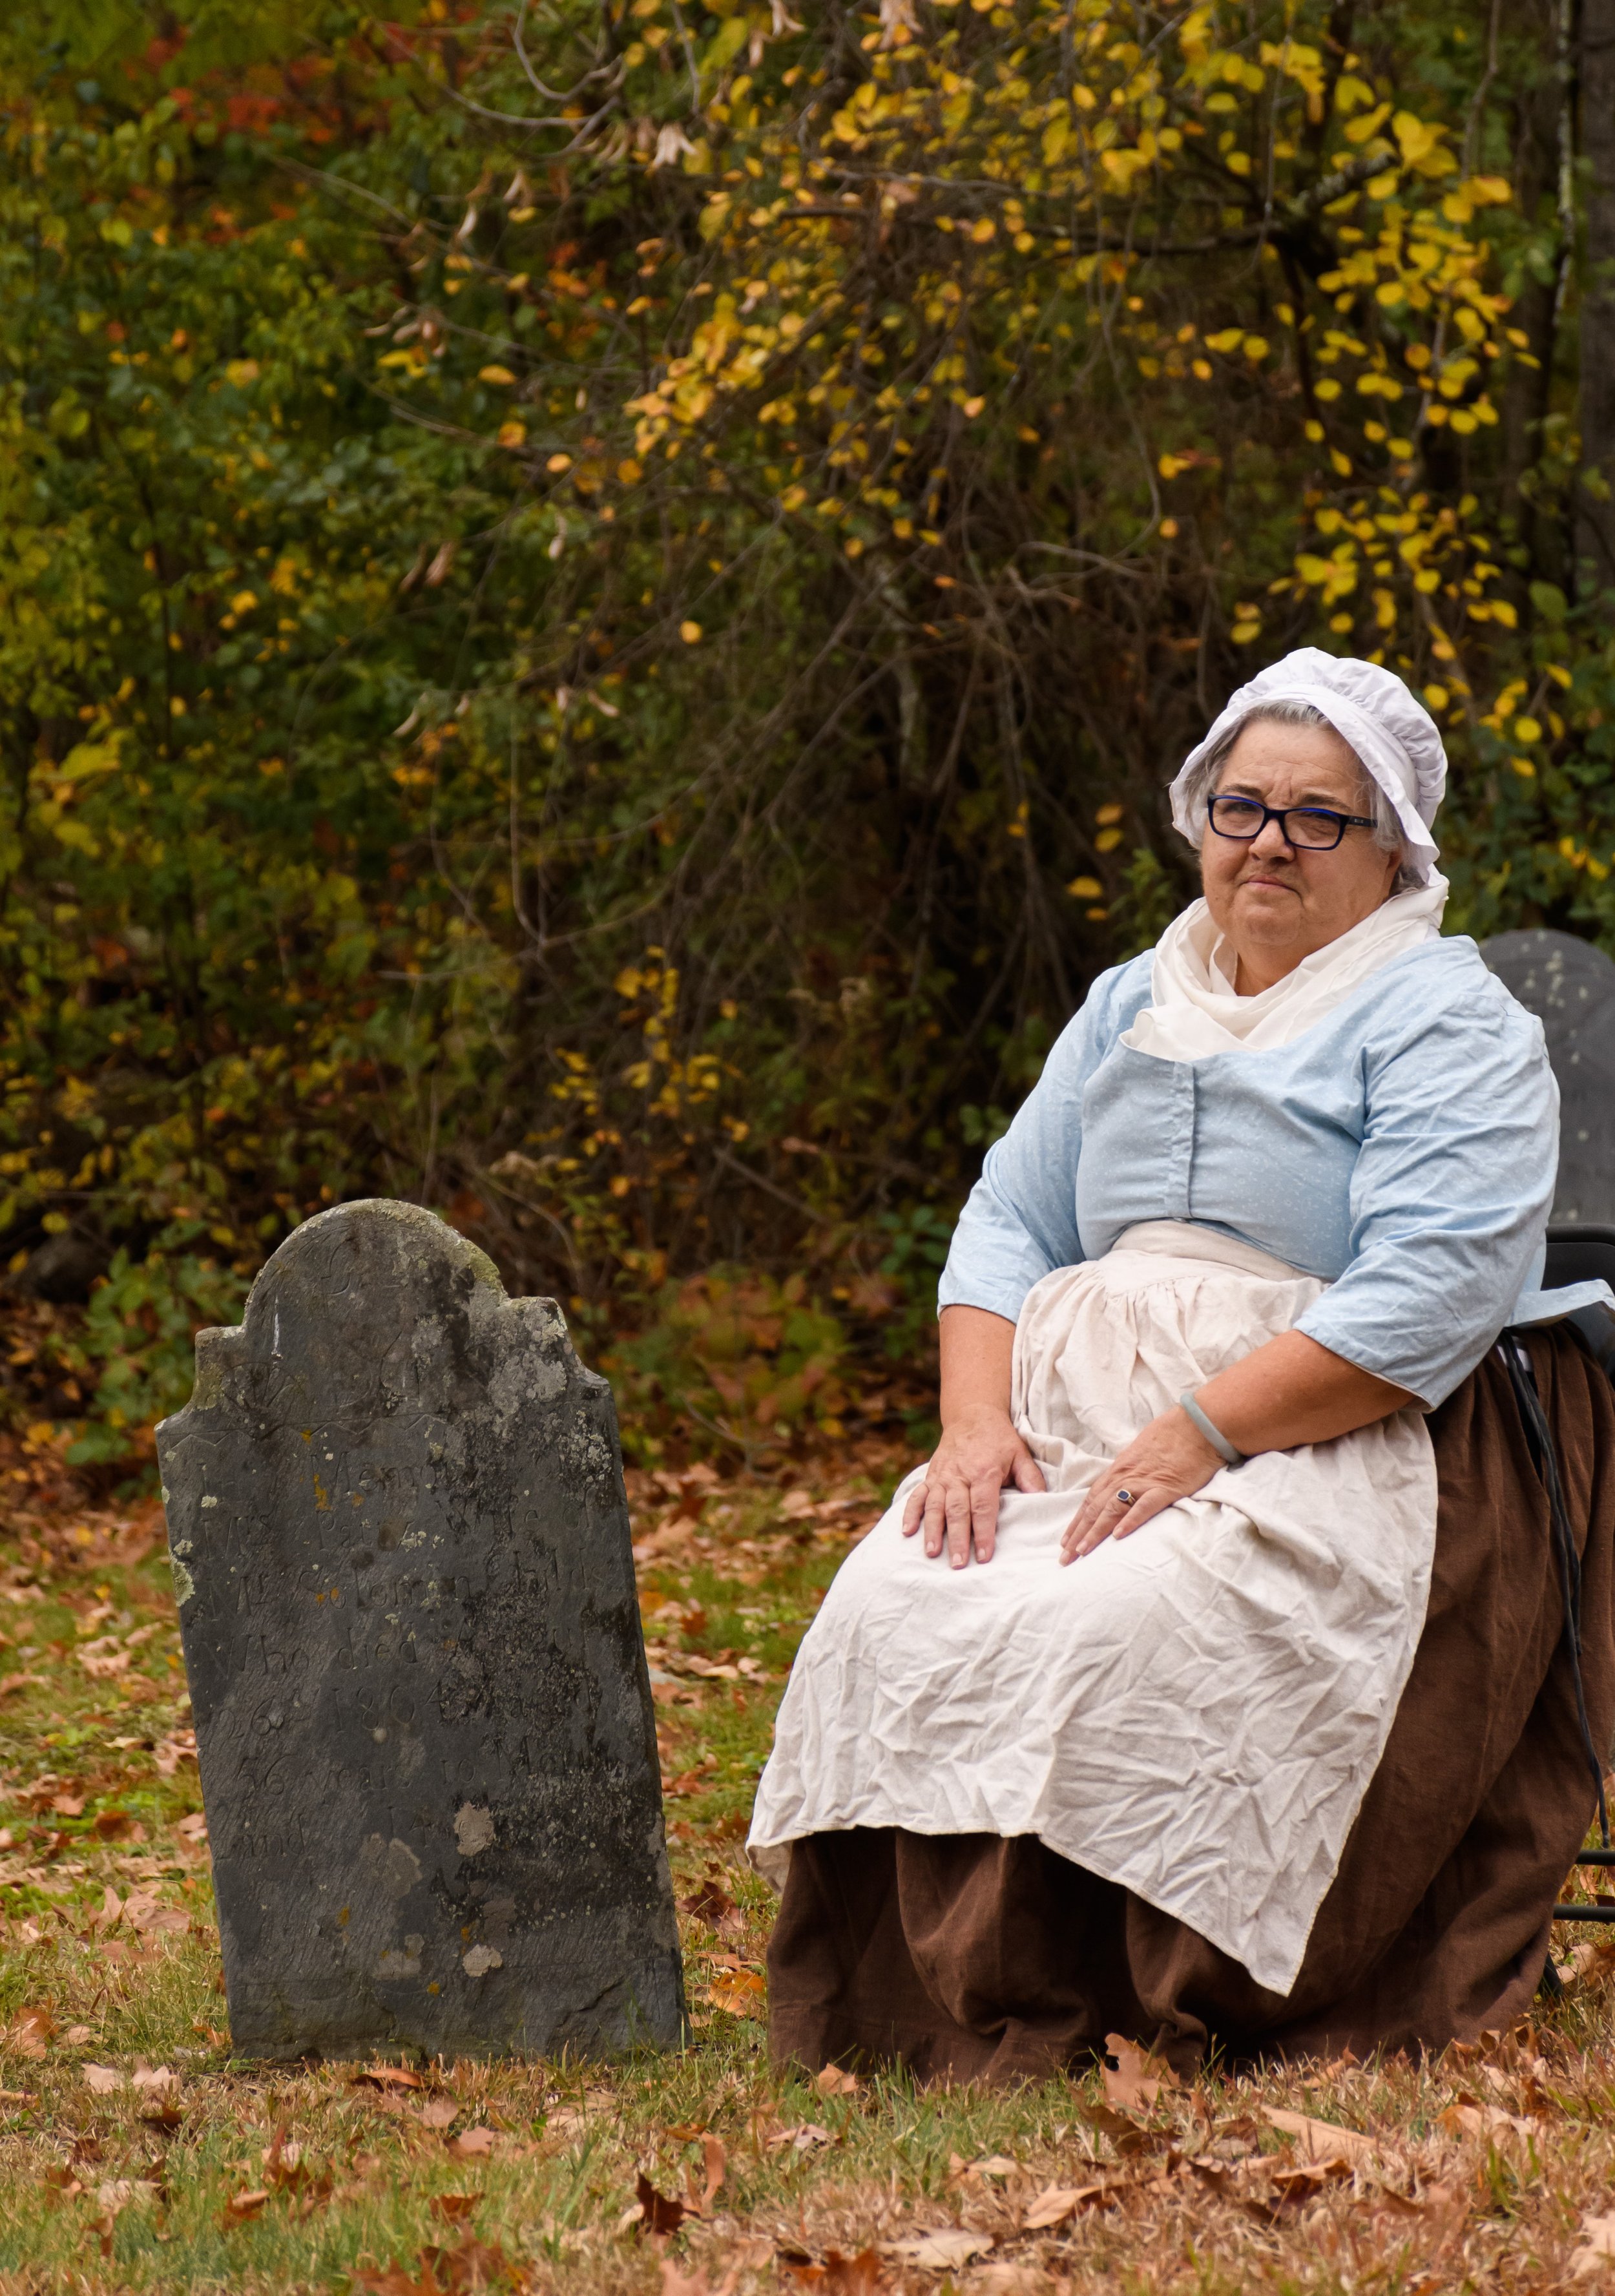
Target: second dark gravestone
1570,986
401,1549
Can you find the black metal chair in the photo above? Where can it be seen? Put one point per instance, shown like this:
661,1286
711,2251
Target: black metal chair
1575,1255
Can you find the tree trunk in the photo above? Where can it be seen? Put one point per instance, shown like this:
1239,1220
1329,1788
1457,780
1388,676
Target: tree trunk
1537,114
1595,499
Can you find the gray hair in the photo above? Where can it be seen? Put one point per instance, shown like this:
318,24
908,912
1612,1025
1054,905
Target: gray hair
1370,798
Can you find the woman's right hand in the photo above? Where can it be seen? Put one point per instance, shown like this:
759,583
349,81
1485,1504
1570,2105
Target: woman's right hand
980,1454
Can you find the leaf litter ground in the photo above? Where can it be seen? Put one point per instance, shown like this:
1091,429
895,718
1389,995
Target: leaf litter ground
135,2154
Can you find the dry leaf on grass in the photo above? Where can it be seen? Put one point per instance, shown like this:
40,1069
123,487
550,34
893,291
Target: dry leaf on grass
13,1682
103,2080
802,2138
1320,2140
241,2207
1470,2118
715,2163
122,2193
1138,2077
386,2077
1302,2182
453,2208
437,2112
474,2143
1597,2247
846,2275
19,2097
657,2214
143,1912
833,2082
30,2032
676,2283
740,1992
76,2035
1124,2132
710,1903
1056,2203
939,2252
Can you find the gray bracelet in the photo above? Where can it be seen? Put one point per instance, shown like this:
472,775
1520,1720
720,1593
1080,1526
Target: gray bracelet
1214,1435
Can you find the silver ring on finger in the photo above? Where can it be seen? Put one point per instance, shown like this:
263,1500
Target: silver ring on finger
1126,1499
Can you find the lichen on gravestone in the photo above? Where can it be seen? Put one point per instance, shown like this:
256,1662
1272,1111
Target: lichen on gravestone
401,1552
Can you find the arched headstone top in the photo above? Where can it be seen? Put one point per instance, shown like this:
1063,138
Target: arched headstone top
1570,984
433,1289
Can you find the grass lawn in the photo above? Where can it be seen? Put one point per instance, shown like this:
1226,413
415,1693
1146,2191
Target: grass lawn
135,2154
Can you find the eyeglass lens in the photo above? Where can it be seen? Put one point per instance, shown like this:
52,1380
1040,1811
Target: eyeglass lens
1239,817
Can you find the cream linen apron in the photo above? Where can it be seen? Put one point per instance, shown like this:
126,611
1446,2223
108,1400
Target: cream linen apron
1194,1712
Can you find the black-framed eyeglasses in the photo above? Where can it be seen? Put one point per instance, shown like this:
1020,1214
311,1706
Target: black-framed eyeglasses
1313,828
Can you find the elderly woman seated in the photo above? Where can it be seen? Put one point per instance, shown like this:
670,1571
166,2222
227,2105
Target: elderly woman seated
1251,1719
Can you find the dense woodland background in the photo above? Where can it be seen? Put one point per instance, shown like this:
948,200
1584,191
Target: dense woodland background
597,599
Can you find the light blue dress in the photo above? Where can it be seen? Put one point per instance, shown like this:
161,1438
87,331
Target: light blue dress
1403,1149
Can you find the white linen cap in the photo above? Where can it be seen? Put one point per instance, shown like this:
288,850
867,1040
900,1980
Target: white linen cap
1374,712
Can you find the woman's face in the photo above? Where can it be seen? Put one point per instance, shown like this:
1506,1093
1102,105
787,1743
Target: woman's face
1274,902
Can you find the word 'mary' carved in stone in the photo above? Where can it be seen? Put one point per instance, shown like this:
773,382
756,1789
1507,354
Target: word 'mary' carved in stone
423,1716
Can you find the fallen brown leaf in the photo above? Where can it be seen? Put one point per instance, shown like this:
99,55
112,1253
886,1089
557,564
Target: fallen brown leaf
940,2251
852,2276
1056,2203
1124,2132
30,2032
474,2143
1301,2183
13,1682
241,2207
738,1992
1319,2140
103,2079
391,2281
474,2264
1597,2247
1138,2077
453,2208
833,2082
437,2112
660,2216
388,2077
801,2138
711,1903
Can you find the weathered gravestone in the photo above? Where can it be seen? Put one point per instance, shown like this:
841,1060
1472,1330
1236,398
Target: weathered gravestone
1570,986
401,1549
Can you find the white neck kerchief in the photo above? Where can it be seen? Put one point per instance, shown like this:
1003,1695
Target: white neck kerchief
1195,1009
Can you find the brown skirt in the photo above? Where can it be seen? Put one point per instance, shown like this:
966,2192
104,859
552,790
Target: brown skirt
969,1956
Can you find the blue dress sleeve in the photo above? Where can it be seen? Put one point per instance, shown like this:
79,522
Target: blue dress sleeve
1450,1195
1019,1222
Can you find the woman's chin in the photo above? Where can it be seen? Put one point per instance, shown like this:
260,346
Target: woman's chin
1269,913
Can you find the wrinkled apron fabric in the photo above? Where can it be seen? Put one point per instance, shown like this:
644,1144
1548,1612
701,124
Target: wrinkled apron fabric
1194,1713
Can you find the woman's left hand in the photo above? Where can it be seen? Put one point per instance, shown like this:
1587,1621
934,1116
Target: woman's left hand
1168,1460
